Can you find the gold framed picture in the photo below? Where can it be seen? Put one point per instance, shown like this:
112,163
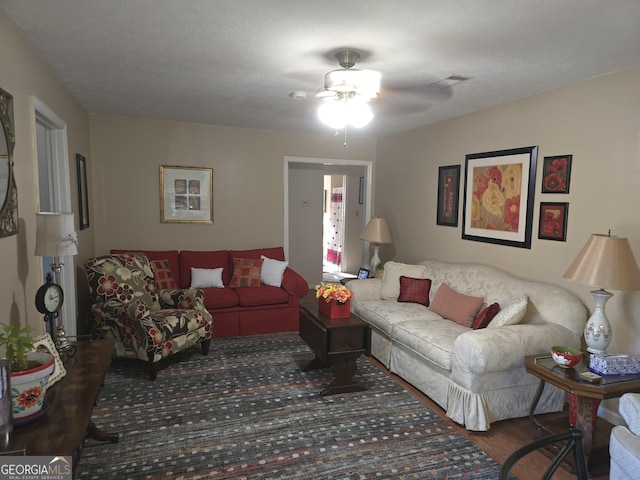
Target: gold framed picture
186,194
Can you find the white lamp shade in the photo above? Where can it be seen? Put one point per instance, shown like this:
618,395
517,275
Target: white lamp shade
605,262
55,234
376,231
337,113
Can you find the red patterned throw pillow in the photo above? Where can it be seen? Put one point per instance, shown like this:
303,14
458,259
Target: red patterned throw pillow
414,290
246,272
162,274
485,316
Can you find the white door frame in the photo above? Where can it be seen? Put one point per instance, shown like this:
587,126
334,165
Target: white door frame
60,197
368,166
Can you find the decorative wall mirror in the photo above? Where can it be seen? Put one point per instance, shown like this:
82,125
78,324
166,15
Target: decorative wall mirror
8,191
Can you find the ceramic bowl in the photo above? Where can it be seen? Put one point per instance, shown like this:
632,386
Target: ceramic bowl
566,356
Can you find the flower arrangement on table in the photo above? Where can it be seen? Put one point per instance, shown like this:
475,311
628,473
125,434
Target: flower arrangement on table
333,291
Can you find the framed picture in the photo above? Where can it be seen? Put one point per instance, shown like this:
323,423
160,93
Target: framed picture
361,192
186,194
556,174
498,196
553,221
448,195
44,343
83,193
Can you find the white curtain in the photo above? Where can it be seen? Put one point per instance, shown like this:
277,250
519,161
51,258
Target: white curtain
335,228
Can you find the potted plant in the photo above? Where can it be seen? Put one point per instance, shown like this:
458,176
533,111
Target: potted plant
30,371
334,300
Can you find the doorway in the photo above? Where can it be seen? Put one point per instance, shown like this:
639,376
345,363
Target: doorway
333,232
305,205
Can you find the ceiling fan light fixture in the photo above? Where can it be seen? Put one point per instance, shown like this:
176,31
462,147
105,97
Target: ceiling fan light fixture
363,82
349,110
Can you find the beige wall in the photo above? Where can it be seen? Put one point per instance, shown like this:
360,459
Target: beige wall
248,165
24,75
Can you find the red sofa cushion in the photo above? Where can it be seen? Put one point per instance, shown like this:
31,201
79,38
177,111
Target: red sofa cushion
262,295
170,255
277,253
219,298
203,259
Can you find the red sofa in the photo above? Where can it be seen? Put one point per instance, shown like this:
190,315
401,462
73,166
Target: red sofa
242,310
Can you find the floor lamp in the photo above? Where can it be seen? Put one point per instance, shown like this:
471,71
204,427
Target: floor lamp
605,262
376,232
56,237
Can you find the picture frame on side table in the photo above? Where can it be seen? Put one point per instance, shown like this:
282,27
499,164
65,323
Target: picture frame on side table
448,195
499,196
83,192
553,221
556,174
44,343
186,194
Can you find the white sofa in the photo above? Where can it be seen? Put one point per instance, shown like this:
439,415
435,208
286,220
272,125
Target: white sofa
625,440
476,376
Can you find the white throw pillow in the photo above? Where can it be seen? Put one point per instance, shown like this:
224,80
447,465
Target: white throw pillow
511,314
391,277
272,271
206,277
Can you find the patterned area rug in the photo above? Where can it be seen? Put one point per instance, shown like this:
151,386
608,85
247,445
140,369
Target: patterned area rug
247,411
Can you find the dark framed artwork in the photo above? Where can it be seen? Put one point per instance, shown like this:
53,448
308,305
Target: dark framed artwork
186,194
498,196
556,174
448,195
553,221
361,192
83,192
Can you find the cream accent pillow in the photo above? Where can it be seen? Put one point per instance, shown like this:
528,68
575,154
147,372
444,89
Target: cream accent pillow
511,314
206,277
391,277
272,271
456,306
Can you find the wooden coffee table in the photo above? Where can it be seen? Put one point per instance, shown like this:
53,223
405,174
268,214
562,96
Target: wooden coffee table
63,428
337,343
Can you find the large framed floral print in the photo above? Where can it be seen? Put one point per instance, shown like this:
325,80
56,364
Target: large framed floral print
498,196
186,194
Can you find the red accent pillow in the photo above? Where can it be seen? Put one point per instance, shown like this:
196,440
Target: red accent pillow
414,290
485,316
162,274
246,272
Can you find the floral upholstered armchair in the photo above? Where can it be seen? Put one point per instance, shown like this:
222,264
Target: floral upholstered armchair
147,323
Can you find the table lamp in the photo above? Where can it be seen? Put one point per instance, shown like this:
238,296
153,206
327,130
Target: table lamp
56,237
376,232
605,262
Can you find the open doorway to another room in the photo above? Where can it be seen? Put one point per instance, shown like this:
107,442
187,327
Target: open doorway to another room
333,227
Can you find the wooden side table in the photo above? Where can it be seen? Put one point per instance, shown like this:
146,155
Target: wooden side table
62,430
337,343
568,379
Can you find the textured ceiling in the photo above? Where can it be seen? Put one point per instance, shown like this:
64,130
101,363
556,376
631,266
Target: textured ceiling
235,62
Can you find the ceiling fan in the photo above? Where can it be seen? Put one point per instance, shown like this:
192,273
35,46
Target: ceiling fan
346,93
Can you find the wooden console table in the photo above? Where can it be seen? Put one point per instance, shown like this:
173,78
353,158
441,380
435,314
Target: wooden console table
63,428
337,343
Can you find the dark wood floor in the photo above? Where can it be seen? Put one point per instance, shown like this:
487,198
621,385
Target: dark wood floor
500,441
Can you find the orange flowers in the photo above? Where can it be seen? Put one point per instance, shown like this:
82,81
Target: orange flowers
333,291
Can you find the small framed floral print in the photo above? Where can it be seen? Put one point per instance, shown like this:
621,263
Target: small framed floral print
556,173
553,221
